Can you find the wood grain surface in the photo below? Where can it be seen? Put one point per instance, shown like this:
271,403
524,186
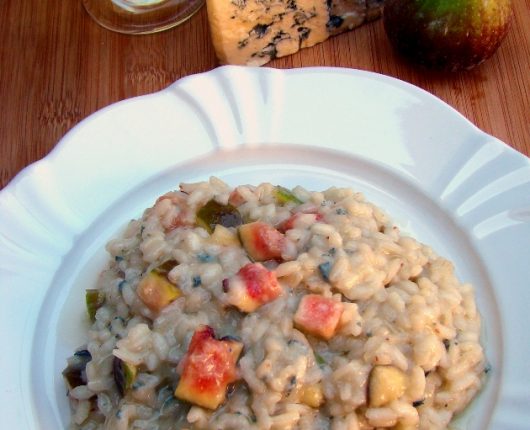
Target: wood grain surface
57,66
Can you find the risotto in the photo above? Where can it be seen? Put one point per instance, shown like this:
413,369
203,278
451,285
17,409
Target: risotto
259,307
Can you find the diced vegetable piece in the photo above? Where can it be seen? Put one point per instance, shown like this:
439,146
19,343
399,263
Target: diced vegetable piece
261,241
75,374
386,384
124,375
251,287
208,367
214,213
318,315
156,291
94,300
312,395
224,236
283,196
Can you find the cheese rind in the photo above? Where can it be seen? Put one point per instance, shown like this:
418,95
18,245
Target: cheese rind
253,32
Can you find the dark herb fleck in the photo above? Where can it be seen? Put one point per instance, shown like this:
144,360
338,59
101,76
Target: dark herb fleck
325,269
118,258
197,281
83,353
251,419
320,360
137,384
231,338
447,344
418,403
121,285
230,389
487,369
205,257
341,211
291,384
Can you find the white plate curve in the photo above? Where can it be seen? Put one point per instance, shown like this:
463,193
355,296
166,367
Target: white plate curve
451,185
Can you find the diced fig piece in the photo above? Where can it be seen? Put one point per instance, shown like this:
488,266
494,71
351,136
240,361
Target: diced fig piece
214,213
224,236
75,372
178,198
284,196
261,241
94,300
386,384
156,291
318,315
124,375
173,212
312,395
251,287
236,198
208,367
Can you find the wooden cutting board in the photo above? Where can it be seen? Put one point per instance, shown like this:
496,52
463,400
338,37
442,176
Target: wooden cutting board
57,66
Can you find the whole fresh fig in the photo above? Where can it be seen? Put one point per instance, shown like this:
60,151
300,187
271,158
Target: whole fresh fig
447,34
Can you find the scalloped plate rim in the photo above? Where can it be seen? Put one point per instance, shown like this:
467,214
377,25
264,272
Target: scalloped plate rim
70,134
70,137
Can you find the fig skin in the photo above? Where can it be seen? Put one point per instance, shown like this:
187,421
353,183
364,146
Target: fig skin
447,35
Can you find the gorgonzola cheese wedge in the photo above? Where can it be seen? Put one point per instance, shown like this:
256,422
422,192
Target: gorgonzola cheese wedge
253,32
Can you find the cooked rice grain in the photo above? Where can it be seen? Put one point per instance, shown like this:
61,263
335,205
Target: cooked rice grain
402,307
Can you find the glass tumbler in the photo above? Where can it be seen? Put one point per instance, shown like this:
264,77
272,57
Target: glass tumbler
141,16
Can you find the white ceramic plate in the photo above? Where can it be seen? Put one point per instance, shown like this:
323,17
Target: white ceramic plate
451,185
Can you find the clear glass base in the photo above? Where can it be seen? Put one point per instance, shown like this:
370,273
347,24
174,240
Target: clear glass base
141,16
